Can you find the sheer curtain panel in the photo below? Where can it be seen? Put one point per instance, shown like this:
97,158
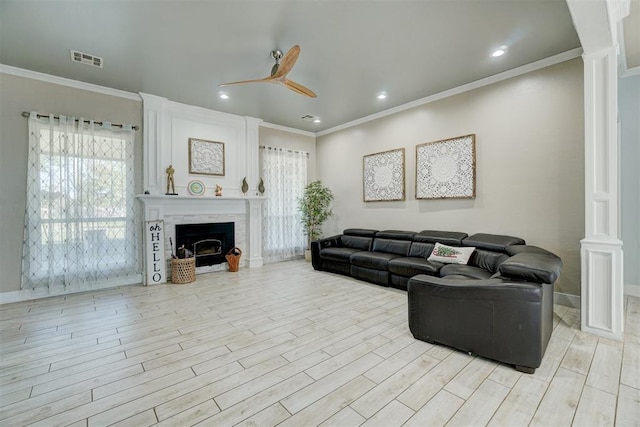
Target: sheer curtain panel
285,176
80,220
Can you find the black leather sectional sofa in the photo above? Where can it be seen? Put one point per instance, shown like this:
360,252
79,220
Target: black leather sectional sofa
499,305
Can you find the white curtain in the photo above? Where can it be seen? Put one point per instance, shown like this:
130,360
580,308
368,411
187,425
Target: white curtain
285,176
80,221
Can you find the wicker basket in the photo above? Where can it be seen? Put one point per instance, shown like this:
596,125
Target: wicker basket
183,270
233,259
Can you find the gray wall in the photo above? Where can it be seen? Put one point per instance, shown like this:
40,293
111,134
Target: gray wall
530,164
629,113
18,94
292,141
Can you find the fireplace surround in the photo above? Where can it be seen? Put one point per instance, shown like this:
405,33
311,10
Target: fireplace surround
244,212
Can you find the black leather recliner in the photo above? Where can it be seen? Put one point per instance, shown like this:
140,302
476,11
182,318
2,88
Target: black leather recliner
508,318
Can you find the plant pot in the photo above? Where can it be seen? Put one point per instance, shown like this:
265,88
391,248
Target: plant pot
307,255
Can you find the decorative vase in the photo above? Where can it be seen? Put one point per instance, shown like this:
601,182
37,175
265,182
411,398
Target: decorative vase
261,186
245,186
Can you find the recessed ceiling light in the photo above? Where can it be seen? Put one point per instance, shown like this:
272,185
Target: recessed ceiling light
224,95
382,95
317,120
310,118
498,52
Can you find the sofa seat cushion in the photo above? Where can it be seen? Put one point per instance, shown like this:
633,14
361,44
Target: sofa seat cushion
338,254
373,260
410,266
465,270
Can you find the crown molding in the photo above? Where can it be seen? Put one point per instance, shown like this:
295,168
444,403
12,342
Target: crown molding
48,78
543,63
287,129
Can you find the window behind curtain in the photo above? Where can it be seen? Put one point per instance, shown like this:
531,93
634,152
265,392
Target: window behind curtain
285,176
80,221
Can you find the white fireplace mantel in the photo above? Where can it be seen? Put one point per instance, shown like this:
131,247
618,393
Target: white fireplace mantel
190,208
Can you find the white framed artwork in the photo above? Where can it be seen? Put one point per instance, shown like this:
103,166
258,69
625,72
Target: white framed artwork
446,169
383,176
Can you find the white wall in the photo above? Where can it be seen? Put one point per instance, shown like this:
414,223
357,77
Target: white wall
629,114
529,156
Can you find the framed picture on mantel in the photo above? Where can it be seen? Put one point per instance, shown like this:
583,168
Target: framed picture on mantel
206,157
446,169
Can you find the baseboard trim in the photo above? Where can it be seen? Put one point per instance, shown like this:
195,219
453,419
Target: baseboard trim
568,300
632,290
18,296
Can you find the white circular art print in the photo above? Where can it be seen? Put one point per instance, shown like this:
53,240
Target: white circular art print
384,176
446,169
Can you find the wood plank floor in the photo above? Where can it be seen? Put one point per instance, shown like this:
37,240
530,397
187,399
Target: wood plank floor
286,345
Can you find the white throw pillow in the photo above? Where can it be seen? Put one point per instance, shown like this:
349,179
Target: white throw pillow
451,255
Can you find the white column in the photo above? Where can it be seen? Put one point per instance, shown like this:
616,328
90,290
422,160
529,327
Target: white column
153,174
601,249
253,143
254,231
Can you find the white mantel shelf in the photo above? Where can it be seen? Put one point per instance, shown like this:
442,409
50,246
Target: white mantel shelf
163,198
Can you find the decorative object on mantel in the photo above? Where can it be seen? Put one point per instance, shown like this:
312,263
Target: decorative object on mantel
314,205
206,157
233,259
261,186
171,185
383,176
446,169
218,190
196,187
245,186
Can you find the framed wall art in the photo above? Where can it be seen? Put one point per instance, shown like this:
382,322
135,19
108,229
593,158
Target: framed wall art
206,157
383,176
446,169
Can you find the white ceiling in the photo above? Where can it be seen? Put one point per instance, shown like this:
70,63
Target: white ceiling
351,50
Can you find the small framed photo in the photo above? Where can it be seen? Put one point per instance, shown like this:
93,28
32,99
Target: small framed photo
446,169
383,176
206,157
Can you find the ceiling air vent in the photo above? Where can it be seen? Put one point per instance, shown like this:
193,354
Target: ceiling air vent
85,58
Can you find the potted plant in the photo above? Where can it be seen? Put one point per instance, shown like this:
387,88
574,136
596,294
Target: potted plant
315,209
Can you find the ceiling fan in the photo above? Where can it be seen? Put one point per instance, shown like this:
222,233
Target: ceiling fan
279,72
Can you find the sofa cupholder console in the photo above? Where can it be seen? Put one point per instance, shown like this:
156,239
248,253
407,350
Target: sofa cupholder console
486,294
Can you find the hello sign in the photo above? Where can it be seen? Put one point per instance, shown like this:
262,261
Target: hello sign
154,247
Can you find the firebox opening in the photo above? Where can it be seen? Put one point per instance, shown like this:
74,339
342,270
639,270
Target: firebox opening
209,242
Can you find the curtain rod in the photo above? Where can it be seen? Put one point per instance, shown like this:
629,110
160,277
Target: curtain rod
26,114
283,149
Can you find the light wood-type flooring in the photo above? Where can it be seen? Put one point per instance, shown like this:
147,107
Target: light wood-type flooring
286,345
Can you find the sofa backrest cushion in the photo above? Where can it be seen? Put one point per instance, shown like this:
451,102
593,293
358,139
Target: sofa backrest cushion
391,246
516,249
449,238
532,267
396,234
356,242
492,242
361,232
487,260
422,250
393,242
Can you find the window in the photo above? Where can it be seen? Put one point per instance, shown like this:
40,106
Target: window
285,176
80,222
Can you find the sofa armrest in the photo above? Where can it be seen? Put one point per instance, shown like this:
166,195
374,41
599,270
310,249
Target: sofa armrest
317,245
